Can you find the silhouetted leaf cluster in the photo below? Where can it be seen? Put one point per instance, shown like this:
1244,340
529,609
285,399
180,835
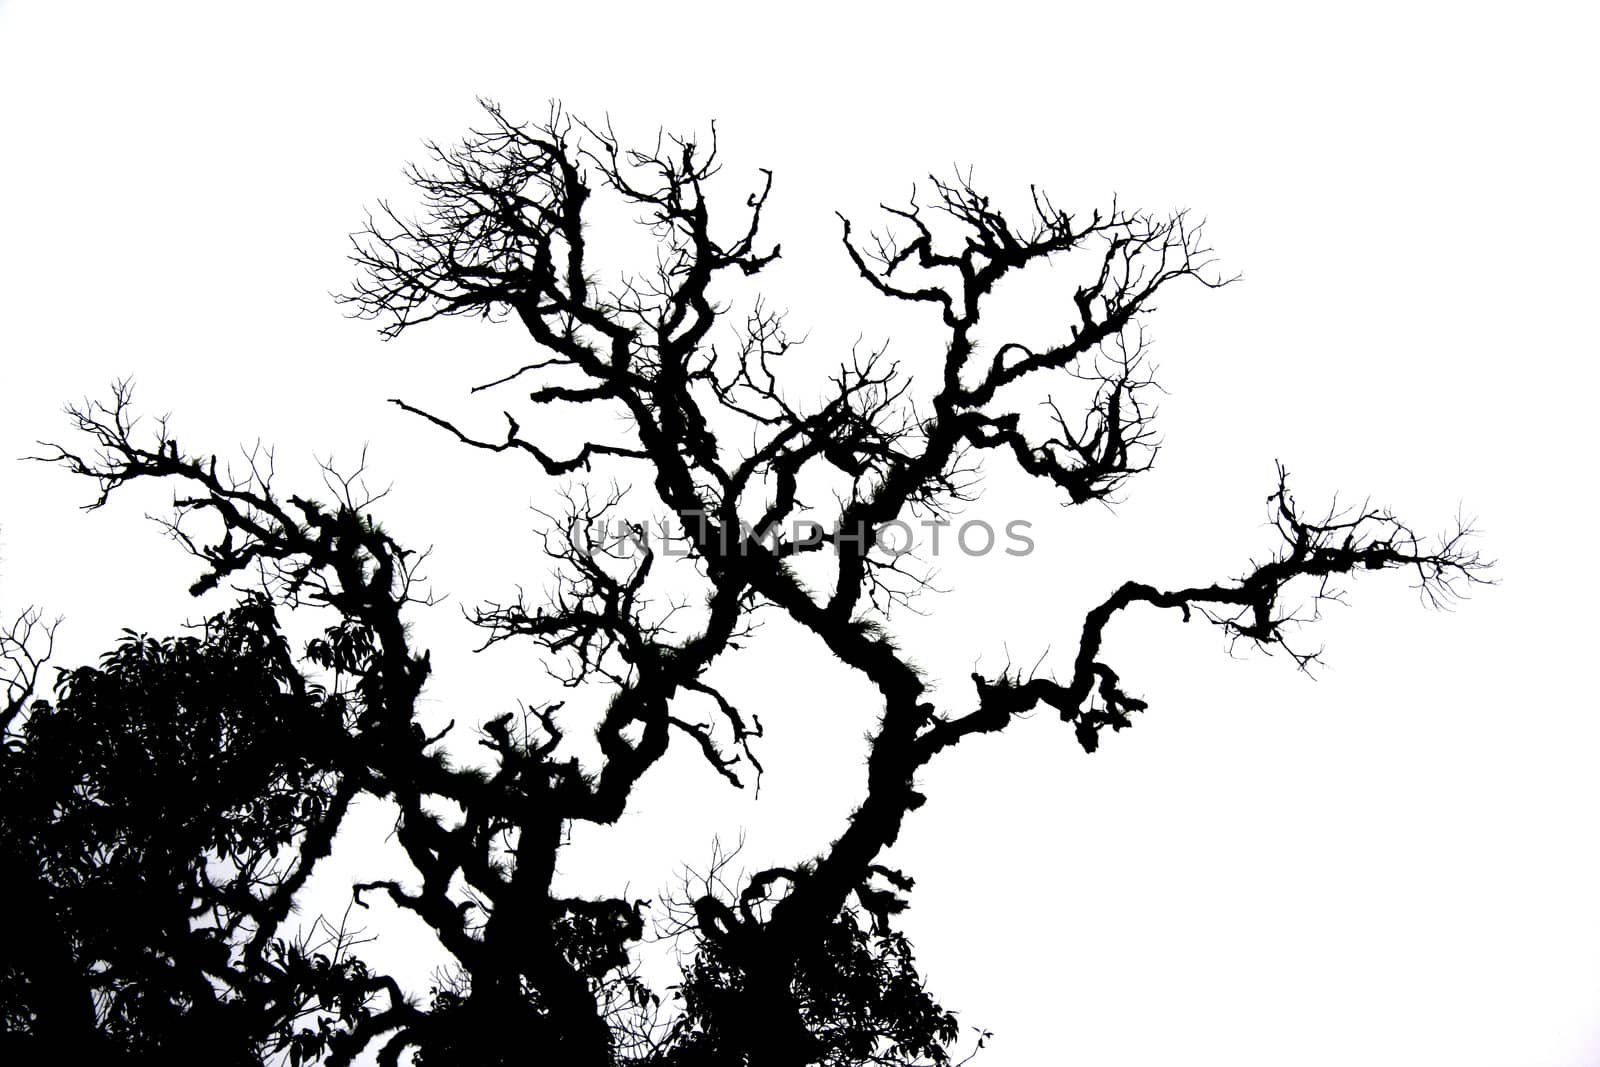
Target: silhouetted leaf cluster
858,993
153,811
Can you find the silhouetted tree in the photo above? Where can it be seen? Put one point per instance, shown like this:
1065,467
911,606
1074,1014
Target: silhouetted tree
793,965
162,813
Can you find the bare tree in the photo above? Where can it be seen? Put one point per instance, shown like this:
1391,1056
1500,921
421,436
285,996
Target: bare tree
797,964
25,647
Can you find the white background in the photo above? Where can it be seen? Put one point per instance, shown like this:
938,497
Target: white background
1395,864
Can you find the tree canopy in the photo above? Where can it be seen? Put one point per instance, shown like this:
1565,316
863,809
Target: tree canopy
167,808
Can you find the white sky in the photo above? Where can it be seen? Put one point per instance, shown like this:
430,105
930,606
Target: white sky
1393,865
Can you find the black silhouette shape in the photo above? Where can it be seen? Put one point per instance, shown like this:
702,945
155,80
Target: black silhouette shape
160,917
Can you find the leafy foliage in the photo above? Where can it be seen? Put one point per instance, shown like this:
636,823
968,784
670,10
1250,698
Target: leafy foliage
858,992
152,810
